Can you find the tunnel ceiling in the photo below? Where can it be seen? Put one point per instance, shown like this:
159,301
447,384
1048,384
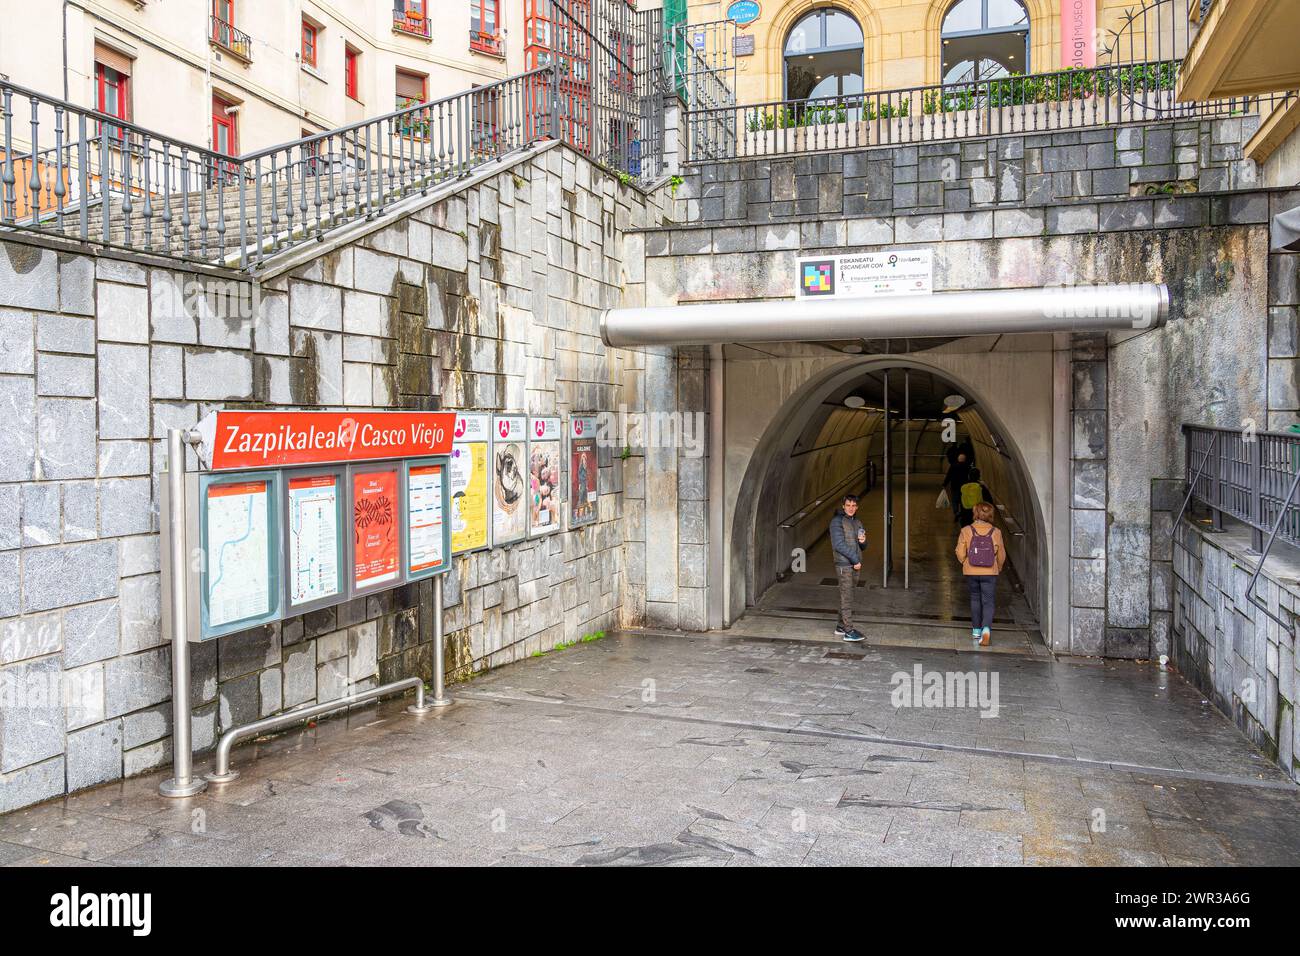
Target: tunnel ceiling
926,392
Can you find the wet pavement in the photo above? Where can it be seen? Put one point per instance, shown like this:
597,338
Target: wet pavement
643,749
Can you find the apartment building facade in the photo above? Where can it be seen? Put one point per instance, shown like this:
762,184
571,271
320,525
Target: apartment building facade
242,75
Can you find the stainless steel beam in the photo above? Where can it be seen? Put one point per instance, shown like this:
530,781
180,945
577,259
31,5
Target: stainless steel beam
1094,308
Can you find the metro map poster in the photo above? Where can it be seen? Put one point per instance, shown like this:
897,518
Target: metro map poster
315,572
240,584
376,528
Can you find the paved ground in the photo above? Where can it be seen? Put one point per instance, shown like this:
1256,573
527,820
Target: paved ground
646,749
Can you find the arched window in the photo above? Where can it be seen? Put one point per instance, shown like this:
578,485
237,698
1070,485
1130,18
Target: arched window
823,56
982,39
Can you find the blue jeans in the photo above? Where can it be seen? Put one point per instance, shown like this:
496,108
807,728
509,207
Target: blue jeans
981,588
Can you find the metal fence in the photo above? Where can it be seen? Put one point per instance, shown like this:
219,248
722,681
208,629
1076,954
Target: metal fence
82,174
1060,100
1251,477
704,77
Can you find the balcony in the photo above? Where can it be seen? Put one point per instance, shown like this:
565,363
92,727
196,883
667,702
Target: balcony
1243,47
232,40
489,43
411,22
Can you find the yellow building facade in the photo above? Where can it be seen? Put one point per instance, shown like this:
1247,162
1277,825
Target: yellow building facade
906,43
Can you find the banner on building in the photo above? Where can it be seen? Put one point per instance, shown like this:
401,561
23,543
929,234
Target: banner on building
1078,34
545,481
865,274
471,488
584,471
509,479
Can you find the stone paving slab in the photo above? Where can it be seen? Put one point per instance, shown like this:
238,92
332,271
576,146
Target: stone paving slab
754,753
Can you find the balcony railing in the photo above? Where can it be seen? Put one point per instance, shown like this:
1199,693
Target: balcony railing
486,43
232,39
1065,99
405,22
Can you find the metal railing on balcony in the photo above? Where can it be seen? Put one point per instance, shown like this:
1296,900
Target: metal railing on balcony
414,23
80,174
1250,476
1064,99
231,38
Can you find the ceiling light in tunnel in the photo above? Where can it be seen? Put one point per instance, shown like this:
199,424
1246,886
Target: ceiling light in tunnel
953,402
855,401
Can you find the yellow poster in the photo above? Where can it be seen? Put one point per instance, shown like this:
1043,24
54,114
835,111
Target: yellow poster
469,486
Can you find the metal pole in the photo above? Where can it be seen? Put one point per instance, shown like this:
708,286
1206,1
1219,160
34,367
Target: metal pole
439,698
887,486
717,451
907,477
182,783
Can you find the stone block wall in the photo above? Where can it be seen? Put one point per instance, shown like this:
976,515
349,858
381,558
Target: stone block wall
1228,647
485,299
1045,172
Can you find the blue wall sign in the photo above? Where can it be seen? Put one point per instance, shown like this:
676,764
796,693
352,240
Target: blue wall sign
744,12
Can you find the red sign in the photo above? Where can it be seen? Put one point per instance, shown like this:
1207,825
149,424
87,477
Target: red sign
276,439
375,523
1078,33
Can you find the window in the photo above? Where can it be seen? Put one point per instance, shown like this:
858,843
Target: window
410,89
823,56
409,17
225,133
350,63
484,18
224,10
310,39
112,85
984,39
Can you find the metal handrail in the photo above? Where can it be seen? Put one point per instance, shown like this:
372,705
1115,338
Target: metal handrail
221,770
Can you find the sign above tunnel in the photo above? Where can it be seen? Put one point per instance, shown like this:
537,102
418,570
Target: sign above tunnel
864,274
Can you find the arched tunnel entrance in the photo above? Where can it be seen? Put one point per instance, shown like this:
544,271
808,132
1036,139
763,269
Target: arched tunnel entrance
886,429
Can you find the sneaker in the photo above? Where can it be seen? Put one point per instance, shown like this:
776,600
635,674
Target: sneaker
975,633
853,635
839,631
984,637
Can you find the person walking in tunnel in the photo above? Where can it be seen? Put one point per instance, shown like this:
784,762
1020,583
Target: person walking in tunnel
981,553
972,493
848,538
957,475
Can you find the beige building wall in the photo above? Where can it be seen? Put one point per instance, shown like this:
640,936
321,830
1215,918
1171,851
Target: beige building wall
901,41
176,68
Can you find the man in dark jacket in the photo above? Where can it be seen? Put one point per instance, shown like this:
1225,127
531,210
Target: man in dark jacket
848,538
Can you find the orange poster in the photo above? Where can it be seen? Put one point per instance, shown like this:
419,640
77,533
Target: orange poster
375,520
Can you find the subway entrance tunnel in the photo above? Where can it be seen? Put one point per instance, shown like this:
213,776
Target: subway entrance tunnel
890,437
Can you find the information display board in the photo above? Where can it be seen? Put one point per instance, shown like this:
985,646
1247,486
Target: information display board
509,479
584,471
545,477
428,535
239,581
315,549
471,517
377,511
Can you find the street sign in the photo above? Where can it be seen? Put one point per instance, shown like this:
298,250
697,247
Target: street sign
259,439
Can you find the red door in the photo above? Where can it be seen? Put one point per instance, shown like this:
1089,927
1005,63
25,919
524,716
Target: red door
225,138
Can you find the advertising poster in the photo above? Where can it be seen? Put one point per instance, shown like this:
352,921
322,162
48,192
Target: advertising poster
238,545
545,483
584,471
376,532
314,539
509,479
425,521
470,486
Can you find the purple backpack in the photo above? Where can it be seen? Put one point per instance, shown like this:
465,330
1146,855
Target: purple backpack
979,554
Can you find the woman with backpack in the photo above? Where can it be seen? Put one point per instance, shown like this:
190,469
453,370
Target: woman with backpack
980,551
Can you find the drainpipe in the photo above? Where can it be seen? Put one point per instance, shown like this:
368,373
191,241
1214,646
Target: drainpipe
999,311
65,51
717,445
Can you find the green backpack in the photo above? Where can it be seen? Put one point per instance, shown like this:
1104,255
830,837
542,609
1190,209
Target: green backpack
971,494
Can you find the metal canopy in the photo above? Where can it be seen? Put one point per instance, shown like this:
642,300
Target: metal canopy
1094,308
